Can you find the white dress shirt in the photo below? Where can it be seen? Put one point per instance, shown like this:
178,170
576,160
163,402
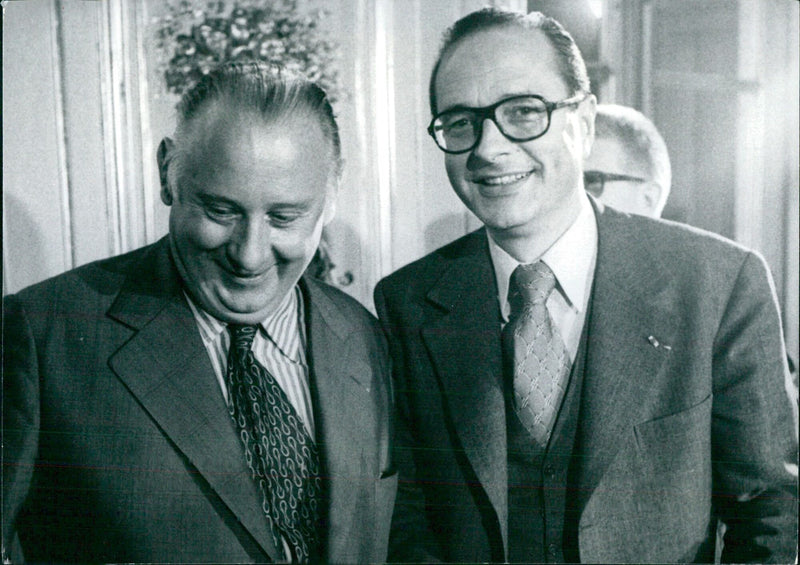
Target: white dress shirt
279,345
572,259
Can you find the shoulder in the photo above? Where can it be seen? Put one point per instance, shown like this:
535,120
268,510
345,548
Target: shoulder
701,268
334,303
102,277
89,289
329,309
673,245
426,271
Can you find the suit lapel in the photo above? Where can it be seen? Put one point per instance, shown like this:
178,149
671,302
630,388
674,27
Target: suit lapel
344,413
463,340
165,365
630,329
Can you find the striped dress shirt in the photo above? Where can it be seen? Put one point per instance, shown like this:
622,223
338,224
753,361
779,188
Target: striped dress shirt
279,345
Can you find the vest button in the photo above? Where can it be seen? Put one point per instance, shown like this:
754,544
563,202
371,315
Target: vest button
549,471
552,551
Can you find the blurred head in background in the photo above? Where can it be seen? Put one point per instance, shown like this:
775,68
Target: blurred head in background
628,167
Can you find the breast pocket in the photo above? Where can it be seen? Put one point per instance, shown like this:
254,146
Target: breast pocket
654,502
678,442
674,462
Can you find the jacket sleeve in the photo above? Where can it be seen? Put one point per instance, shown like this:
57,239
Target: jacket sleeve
410,539
20,419
754,427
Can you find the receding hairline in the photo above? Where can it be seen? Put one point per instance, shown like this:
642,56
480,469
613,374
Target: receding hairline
223,118
256,88
529,35
567,56
227,110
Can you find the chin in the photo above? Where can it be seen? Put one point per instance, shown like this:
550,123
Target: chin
249,317
497,222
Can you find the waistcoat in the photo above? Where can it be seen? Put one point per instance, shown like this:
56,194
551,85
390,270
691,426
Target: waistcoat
539,520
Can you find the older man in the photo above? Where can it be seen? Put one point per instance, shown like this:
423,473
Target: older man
629,166
574,384
199,400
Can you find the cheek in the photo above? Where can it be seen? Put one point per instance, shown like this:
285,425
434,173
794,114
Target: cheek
455,165
201,233
297,244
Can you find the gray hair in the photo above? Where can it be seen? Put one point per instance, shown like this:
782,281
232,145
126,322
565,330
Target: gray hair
641,140
268,90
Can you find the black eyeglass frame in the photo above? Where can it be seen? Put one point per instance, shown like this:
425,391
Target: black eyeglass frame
488,113
595,177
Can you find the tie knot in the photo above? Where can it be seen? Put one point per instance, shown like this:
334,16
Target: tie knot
532,283
242,336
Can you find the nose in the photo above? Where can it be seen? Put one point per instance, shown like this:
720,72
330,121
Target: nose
491,144
250,246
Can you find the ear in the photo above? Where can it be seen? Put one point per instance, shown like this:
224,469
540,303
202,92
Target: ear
164,155
650,195
330,207
330,200
587,113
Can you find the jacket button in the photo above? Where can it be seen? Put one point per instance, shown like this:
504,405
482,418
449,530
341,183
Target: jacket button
552,550
549,471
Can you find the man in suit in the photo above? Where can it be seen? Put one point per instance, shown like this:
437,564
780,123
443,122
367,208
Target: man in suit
199,399
628,167
573,384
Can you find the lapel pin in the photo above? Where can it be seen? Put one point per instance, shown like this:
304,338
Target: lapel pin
657,344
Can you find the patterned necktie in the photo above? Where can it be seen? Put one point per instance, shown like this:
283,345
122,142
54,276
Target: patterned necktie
540,360
280,454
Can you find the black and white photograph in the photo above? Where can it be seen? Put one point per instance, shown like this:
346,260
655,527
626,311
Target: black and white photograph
400,281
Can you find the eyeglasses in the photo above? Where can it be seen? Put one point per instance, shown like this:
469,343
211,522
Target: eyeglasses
519,118
594,181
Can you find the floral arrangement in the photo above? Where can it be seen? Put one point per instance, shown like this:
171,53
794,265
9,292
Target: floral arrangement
194,36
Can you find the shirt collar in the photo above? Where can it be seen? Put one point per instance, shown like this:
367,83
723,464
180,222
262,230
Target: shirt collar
571,258
282,327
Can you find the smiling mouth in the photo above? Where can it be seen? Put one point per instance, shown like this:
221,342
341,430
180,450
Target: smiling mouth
246,279
502,180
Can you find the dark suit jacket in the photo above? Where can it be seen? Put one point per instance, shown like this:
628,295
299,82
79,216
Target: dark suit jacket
684,417
118,445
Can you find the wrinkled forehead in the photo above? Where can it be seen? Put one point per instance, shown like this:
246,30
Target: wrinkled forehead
493,64
224,122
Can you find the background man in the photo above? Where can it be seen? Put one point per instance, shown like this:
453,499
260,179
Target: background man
628,167
198,400
572,383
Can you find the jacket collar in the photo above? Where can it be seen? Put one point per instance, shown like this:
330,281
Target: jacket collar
631,326
165,366
348,411
469,320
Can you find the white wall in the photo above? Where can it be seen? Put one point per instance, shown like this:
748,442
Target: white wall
73,173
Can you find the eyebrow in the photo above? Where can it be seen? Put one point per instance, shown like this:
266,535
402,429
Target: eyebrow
502,97
300,205
208,196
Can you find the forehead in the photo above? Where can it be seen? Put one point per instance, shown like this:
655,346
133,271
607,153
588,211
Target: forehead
232,142
493,64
